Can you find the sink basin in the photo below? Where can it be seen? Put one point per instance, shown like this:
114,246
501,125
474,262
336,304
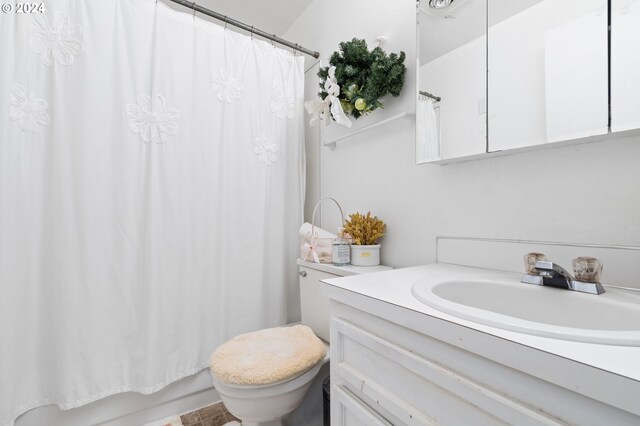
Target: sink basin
612,318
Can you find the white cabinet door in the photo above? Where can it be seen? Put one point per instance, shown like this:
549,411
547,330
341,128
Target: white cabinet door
625,65
547,72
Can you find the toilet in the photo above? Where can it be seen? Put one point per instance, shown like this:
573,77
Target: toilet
264,375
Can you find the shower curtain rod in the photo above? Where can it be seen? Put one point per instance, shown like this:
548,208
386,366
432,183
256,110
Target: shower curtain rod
429,95
197,8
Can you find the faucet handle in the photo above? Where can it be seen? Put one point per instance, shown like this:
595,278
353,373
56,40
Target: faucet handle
587,269
530,260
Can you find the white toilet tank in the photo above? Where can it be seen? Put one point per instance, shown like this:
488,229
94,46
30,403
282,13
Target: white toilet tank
314,304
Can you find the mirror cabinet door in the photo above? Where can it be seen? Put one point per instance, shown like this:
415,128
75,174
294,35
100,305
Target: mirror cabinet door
625,65
451,111
547,71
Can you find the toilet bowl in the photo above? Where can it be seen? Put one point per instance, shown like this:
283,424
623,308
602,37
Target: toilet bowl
266,404
264,375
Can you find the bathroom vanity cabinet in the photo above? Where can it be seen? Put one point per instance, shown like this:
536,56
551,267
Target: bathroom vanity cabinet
394,364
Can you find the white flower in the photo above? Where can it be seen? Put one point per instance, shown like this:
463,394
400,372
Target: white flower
266,150
28,110
282,99
56,39
226,86
152,119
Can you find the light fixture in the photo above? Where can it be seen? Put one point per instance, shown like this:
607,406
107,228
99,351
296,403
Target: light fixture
439,4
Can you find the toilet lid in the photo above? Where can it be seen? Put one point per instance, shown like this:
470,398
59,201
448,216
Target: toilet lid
267,356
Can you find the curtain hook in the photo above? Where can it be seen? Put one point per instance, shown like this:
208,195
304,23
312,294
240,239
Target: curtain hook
273,41
193,6
252,32
225,22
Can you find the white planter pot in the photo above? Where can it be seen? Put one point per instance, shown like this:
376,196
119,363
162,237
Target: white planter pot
365,255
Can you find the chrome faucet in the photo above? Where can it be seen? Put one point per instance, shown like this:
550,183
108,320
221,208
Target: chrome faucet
553,275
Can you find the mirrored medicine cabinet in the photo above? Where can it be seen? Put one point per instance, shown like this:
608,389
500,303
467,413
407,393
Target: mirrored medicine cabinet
497,75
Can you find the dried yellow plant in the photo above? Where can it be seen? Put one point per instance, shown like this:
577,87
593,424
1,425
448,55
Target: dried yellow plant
364,230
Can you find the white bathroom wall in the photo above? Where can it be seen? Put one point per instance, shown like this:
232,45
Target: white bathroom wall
312,144
587,193
358,160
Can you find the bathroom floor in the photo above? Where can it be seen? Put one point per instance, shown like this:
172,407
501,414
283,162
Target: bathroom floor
213,415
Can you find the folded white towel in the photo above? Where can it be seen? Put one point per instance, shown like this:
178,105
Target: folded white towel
321,241
324,251
305,232
324,254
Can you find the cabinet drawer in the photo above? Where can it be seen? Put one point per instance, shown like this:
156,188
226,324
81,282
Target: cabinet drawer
348,410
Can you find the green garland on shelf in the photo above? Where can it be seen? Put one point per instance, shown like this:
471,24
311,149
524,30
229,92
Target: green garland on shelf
364,76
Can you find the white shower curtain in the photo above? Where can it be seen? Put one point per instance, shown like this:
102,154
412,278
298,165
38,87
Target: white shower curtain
151,178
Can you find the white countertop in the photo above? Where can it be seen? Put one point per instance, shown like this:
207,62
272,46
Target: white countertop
394,287
343,271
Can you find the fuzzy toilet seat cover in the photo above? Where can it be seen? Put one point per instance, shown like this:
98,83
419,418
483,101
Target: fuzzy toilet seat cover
267,356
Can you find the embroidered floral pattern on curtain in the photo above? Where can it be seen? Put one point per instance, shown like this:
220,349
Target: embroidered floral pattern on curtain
226,86
55,39
149,201
29,111
266,150
282,99
152,119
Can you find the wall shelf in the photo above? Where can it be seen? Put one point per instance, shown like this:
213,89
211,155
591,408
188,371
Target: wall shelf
332,143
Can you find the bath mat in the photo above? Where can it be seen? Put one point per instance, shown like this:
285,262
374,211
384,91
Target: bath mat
169,421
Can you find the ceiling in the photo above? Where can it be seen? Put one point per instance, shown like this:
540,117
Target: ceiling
271,16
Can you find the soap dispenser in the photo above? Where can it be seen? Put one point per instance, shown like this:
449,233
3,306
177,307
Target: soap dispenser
341,249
